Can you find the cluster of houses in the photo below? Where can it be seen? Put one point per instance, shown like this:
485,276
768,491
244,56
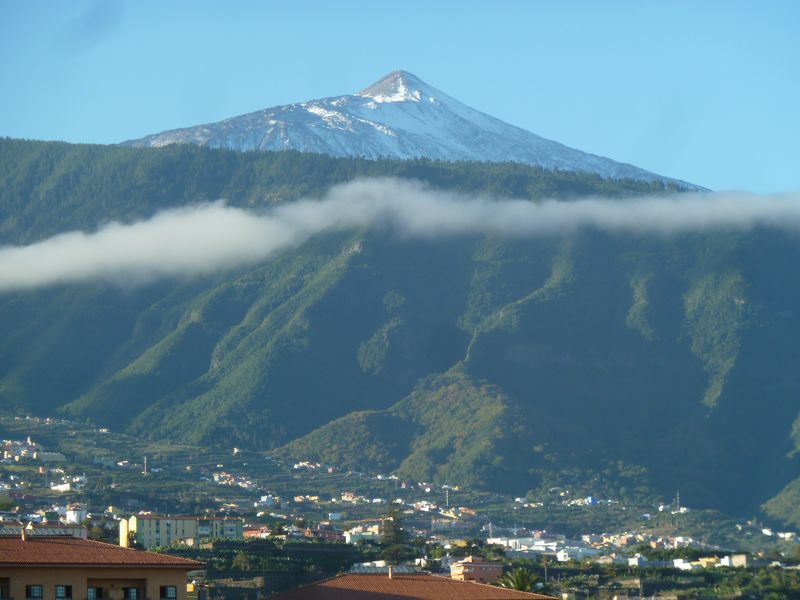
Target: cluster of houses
737,561
19,450
151,531
233,480
324,530
145,530
72,519
71,514
590,545
615,549
348,497
29,452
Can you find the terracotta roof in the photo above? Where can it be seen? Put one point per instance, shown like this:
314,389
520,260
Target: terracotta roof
68,551
419,586
187,517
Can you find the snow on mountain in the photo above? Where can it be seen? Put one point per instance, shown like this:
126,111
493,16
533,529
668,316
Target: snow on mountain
399,116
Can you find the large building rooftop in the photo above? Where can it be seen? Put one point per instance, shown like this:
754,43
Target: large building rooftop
38,551
417,586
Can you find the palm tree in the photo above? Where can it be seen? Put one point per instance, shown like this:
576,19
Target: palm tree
518,579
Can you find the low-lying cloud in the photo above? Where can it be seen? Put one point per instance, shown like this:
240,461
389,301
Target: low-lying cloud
205,238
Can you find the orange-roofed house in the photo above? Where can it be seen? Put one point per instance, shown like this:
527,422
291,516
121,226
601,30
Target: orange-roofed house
417,586
67,568
477,570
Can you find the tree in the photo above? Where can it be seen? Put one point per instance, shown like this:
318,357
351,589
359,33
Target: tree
6,503
393,533
395,540
545,562
518,579
242,561
277,530
493,552
435,550
133,542
97,533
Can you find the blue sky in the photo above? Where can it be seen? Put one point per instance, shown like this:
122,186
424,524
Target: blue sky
707,92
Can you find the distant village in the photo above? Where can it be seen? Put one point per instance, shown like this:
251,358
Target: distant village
153,531
269,516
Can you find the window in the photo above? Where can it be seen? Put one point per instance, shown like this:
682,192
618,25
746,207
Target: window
130,593
34,592
63,592
169,592
94,593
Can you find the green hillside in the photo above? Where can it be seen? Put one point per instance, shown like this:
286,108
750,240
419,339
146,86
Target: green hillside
624,364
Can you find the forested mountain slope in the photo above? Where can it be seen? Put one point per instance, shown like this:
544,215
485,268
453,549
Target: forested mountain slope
624,363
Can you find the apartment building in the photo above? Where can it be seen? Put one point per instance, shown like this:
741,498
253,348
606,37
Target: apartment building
152,531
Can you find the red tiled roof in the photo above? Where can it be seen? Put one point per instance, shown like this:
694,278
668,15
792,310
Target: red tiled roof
69,551
186,517
419,586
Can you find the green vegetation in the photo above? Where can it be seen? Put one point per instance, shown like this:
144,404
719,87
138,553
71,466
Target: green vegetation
49,187
622,365
519,579
594,581
448,429
395,540
637,315
507,316
715,309
372,353
785,506
270,566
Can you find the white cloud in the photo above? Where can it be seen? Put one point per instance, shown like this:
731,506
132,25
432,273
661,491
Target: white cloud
205,238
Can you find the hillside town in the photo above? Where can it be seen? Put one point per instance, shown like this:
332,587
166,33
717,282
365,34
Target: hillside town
48,495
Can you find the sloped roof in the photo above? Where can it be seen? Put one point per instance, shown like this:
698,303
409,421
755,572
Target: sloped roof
418,586
187,517
69,551
38,530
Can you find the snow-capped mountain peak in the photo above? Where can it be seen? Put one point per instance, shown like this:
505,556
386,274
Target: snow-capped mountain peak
398,116
397,86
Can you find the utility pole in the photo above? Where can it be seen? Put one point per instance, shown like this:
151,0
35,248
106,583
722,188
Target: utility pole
145,466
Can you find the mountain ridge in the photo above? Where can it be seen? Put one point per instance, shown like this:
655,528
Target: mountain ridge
398,116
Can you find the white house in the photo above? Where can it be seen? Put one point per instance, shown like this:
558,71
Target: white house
76,514
637,560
